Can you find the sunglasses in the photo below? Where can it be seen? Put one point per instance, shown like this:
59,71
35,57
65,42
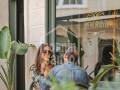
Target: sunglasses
47,51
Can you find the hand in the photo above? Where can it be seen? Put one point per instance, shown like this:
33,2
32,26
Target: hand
36,86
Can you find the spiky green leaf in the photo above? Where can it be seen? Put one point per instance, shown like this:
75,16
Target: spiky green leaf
104,69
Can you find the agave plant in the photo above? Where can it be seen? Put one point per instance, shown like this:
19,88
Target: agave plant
109,85
104,69
8,51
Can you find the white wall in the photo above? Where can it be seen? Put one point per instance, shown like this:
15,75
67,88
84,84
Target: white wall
2,85
34,13
4,13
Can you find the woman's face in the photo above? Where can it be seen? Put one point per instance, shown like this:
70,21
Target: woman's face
46,53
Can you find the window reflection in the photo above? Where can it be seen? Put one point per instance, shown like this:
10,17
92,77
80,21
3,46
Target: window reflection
91,35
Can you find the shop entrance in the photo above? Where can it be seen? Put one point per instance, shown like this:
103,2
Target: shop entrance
106,55
105,51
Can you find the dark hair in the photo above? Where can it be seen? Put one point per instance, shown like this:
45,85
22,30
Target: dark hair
71,53
38,60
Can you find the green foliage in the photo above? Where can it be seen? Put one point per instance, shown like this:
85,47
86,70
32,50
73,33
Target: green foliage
20,48
117,53
96,84
104,69
5,40
8,51
107,85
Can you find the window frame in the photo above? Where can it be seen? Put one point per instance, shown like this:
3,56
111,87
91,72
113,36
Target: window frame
61,5
51,22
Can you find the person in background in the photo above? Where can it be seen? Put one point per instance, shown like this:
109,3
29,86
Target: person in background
42,60
69,71
42,64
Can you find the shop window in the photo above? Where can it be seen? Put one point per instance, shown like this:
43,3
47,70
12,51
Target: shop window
71,3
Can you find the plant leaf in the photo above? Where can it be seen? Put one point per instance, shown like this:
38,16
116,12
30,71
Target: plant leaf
20,48
11,69
104,69
5,40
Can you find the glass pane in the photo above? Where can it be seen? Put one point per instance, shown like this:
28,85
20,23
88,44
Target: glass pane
67,35
66,1
72,1
95,39
79,1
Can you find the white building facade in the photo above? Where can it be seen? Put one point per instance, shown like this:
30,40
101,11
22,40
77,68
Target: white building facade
34,18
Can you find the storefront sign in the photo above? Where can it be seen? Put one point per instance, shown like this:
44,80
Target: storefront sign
101,24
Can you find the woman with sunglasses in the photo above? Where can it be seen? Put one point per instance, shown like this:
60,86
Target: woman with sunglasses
42,64
43,58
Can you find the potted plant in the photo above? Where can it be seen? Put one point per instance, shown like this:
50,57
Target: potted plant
8,51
